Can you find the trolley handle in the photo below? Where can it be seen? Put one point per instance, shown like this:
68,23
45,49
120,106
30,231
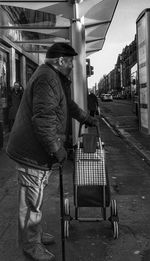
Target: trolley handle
98,133
97,128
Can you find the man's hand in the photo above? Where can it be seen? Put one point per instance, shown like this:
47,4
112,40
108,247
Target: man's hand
61,155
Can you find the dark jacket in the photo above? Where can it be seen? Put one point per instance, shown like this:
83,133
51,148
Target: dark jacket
41,121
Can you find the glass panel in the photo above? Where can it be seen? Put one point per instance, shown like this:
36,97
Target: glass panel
34,48
27,26
23,16
14,16
3,77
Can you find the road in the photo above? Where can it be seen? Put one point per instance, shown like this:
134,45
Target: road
93,241
122,112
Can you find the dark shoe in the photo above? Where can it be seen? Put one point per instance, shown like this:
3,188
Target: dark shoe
39,253
47,239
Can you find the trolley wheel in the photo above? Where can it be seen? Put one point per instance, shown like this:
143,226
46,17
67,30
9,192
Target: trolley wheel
115,229
66,207
113,208
66,228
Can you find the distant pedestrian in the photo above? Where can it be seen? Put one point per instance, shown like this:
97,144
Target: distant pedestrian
92,104
14,102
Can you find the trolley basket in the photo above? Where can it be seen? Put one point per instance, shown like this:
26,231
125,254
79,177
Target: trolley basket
91,183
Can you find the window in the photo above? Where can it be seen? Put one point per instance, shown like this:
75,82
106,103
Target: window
3,77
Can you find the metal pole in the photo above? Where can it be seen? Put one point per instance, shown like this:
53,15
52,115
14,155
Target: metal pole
62,211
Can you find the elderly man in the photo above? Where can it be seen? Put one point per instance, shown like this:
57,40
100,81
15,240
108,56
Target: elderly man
37,141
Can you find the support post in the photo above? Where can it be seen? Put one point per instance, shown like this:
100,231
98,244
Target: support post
79,92
12,67
23,70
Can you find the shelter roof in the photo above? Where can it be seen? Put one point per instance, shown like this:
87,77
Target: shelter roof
35,25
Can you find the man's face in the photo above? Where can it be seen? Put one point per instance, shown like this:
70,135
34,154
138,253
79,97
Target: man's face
67,65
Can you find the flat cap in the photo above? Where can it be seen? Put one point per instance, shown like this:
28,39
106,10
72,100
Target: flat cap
60,49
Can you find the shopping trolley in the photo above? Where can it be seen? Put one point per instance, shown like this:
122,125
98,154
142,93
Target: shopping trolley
91,184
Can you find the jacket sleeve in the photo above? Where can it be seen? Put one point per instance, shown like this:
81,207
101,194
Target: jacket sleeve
77,113
45,103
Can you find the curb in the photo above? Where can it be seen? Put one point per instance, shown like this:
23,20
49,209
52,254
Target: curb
135,145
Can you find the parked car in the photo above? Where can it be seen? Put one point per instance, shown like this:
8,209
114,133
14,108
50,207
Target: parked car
106,97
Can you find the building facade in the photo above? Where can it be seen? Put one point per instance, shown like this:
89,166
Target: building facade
119,82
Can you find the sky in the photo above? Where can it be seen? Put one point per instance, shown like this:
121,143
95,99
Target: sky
121,32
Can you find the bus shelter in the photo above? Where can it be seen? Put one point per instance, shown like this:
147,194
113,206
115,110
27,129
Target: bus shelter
33,26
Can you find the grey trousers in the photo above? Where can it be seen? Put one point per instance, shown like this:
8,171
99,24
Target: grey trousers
31,186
